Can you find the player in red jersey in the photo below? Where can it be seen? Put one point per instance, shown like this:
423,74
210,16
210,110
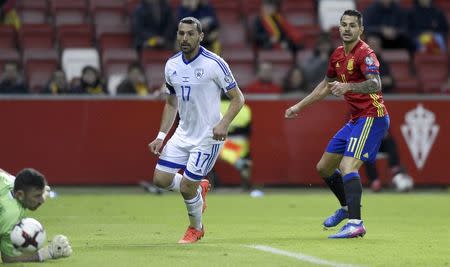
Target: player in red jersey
353,72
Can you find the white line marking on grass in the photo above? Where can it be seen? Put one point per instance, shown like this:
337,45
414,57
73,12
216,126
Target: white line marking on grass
300,256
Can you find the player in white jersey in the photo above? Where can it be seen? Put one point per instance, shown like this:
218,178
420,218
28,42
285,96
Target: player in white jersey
195,78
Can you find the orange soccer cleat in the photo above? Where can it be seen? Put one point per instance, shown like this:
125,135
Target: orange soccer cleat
192,235
206,186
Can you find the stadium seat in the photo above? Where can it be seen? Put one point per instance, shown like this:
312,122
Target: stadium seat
113,82
113,36
64,17
233,35
7,36
362,5
73,60
250,7
310,33
131,5
400,65
9,55
155,74
244,73
155,56
33,16
118,56
330,12
432,71
39,65
36,36
297,18
107,11
75,36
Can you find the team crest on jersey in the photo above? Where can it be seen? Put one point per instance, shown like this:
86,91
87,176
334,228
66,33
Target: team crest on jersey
199,73
350,64
228,79
369,61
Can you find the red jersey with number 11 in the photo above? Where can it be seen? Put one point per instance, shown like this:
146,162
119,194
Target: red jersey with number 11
353,68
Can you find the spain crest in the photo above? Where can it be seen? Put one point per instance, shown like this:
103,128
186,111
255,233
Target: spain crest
350,64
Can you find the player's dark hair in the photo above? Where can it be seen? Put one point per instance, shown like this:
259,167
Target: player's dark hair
29,178
354,13
192,20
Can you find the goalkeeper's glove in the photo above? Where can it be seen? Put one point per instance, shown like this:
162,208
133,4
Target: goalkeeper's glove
58,248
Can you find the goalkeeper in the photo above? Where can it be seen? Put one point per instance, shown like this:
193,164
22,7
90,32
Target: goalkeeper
27,191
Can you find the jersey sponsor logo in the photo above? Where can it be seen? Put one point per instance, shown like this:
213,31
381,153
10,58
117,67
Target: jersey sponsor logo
199,73
369,61
366,155
228,79
420,131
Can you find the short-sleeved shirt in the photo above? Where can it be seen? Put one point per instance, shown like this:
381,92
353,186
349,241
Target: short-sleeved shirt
353,68
198,83
11,211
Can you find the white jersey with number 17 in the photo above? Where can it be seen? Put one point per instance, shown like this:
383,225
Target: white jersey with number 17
197,83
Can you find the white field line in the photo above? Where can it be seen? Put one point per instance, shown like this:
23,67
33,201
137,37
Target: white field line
300,256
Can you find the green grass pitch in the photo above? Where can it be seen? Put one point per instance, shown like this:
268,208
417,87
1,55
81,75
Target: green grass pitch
131,229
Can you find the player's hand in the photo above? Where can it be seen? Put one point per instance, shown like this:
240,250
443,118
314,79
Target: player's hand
155,146
59,247
220,132
291,113
338,88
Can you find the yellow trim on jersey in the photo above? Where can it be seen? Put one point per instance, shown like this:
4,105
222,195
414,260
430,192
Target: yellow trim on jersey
363,137
378,105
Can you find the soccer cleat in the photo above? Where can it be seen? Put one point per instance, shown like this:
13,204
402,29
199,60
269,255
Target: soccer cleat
206,186
350,230
336,218
192,235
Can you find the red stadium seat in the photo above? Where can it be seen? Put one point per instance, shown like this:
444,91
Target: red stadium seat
244,73
310,34
131,5
155,74
107,11
9,55
39,64
7,36
75,36
113,36
33,16
36,36
64,17
362,5
118,57
233,35
155,56
432,70
400,65
251,7
68,5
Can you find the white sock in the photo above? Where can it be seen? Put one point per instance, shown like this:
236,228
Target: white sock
175,185
355,221
345,208
194,207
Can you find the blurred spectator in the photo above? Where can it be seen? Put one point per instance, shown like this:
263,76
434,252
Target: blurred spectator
264,83
428,26
153,25
204,12
388,146
316,65
135,82
8,14
387,80
90,82
272,30
388,20
12,82
58,84
295,81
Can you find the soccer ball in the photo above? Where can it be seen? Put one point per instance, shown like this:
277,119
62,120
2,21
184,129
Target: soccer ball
403,182
28,235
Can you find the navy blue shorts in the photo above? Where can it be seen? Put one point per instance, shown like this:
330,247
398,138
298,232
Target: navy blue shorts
360,139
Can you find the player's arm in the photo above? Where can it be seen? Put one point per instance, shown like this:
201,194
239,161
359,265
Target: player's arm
319,93
237,100
59,247
167,120
371,85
